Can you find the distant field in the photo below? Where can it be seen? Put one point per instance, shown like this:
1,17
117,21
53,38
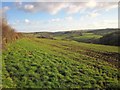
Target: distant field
99,36
83,36
86,37
45,63
98,47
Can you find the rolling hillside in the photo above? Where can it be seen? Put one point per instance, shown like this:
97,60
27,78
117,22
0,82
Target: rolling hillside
111,39
59,45
56,60
46,63
99,36
103,31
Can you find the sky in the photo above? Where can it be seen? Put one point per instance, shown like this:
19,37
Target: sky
60,16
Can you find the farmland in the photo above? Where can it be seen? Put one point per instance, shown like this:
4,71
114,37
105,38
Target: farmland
86,37
98,36
47,63
59,45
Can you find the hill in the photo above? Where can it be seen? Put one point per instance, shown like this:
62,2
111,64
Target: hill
111,39
47,63
88,36
103,31
56,60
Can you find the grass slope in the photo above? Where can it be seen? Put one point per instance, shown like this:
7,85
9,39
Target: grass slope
45,63
99,36
86,37
103,31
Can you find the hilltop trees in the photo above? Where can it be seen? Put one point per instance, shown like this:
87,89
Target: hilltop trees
111,39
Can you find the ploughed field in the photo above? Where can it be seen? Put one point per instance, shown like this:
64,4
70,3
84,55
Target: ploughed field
46,63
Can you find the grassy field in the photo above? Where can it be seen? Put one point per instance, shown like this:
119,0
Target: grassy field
45,63
86,37
99,36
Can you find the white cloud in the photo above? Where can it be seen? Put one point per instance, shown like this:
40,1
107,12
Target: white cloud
111,7
68,7
54,9
66,19
72,8
18,2
91,4
104,24
110,22
49,7
27,21
55,20
94,14
69,18
106,6
29,7
5,9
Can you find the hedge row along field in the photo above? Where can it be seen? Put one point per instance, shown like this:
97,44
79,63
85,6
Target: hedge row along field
45,63
7,33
